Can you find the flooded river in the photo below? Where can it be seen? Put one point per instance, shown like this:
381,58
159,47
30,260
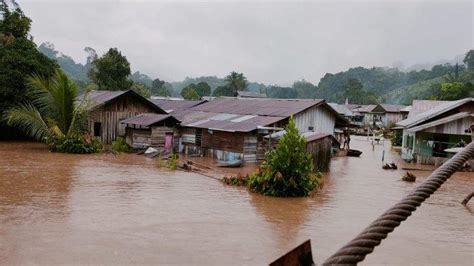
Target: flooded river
106,209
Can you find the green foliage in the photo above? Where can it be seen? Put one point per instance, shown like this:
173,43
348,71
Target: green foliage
189,92
238,180
119,145
469,60
75,71
19,59
396,138
161,88
141,89
111,71
53,116
141,78
282,92
203,89
420,90
76,144
172,162
455,91
288,169
304,89
223,91
236,82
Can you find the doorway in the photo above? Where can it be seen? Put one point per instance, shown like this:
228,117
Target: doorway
169,142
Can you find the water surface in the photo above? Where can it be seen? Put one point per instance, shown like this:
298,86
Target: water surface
106,209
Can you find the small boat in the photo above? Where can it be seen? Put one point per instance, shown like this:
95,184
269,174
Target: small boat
231,163
353,153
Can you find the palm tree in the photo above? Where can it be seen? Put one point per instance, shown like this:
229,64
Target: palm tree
53,113
236,81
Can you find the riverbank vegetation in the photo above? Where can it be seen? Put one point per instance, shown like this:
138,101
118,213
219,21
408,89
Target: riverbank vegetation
54,116
288,169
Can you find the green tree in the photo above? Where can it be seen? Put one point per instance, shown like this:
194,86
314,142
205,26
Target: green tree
353,91
189,92
111,71
141,89
304,89
469,60
288,169
203,89
455,91
282,92
19,58
223,91
53,114
161,88
236,82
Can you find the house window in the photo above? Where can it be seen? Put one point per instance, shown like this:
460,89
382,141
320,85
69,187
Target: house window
97,129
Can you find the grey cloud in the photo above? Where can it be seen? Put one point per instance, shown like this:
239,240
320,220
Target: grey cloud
271,42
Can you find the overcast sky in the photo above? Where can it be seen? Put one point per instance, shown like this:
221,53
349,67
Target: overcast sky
270,42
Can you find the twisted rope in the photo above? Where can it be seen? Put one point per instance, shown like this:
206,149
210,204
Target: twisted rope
363,244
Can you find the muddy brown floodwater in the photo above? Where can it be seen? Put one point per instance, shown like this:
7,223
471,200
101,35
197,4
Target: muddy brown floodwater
106,209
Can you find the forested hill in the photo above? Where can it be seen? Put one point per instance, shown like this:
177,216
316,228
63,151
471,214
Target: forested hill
359,84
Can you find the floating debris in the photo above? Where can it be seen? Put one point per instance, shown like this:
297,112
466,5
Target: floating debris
409,177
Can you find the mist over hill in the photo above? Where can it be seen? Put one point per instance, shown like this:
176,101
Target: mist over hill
378,84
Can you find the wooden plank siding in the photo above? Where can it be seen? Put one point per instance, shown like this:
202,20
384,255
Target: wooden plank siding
456,127
318,117
112,113
320,150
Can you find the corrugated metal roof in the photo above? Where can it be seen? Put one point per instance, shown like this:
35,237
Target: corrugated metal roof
352,106
228,125
441,121
172,105
261,106
365,108
392,108
420,106
433,112
309,135
244,114
341,109
147,119
102,97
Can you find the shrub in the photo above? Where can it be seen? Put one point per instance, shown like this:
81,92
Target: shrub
238,180
287,170
172,163
77,144
396,138
119,145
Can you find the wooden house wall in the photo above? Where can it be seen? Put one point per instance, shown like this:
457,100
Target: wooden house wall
390,119
188,135
112,113
321,153
456,127
224,141
158,135
138,137
318,117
